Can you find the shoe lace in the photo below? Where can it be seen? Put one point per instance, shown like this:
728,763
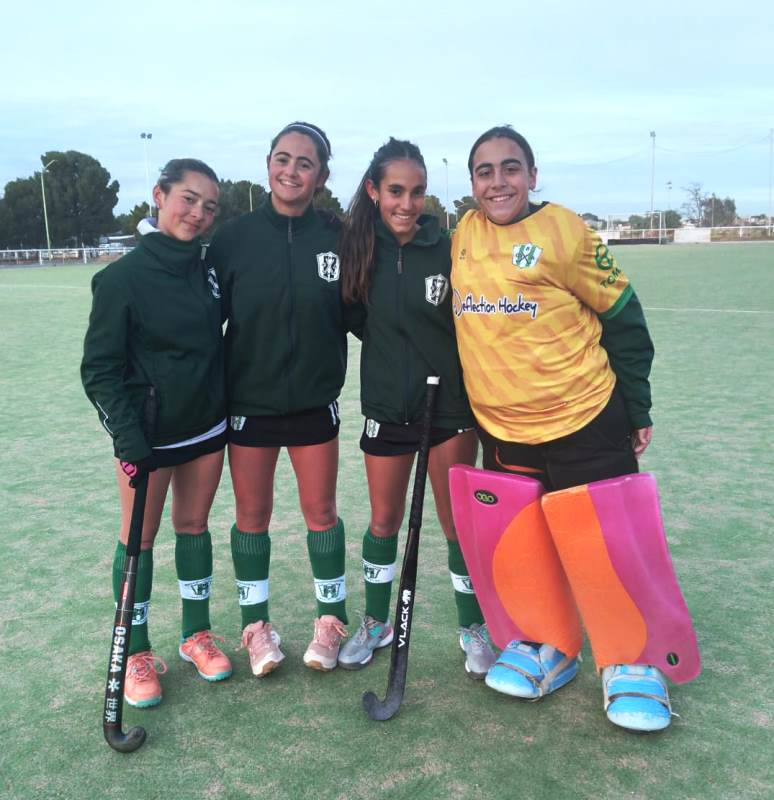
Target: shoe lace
258,634
142,665
478,638
367,624
329,632
204,640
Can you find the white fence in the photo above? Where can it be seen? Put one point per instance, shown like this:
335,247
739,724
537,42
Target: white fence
58,255
687,235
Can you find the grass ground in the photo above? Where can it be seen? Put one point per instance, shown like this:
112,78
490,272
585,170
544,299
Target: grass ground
301,734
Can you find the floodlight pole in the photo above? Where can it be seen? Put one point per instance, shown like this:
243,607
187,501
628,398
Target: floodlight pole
771,152
146,137
669,195
652,175
45,212
250,192
446,164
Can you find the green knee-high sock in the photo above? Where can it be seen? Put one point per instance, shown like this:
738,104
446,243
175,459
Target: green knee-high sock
138,641
468,610
251,553
326,554
379,555
193,561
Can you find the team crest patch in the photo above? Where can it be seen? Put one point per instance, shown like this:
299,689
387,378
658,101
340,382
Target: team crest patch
212,279
237,423
436,289
328,266
526,255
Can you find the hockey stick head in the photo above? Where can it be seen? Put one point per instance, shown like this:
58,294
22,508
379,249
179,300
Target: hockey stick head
125,742
382,710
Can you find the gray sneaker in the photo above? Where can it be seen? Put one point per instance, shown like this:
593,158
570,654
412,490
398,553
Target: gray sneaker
359,650
477,646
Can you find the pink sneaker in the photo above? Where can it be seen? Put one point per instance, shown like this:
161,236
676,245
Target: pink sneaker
262,644
210,661
142,688
323,650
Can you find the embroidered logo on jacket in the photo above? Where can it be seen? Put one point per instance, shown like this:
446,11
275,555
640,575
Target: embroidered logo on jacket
328,266
526,255
436,289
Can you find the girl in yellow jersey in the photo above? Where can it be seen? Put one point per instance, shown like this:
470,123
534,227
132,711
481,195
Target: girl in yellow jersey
556,357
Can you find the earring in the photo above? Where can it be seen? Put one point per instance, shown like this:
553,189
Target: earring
376,202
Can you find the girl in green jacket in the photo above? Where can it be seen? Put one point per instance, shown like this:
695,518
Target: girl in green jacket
396,268
155,322
278,269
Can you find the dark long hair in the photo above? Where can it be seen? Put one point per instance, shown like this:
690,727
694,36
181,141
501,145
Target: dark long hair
175,170
358,239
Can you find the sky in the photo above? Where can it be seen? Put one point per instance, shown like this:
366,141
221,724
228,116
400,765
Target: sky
586,83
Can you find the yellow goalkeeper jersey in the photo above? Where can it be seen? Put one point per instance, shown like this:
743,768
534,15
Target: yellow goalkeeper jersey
527,302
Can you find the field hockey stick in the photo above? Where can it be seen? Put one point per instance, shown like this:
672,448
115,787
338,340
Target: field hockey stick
122,624
404,609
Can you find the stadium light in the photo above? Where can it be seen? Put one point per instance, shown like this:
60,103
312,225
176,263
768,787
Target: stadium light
446,164
45,212
669,195
146,137
652,176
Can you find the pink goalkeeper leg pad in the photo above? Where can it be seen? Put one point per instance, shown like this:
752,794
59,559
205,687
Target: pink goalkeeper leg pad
512,561
611,541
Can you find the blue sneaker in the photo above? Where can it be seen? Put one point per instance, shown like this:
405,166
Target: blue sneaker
636,697
529,671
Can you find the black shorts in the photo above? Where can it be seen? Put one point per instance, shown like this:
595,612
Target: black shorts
175,456
388,439
315,426
601,449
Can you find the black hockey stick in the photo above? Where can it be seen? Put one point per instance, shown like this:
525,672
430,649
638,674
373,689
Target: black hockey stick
122,625
404,609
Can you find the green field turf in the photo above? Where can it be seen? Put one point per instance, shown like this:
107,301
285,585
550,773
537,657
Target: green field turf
301,734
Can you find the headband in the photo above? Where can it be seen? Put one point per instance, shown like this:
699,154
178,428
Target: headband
300,127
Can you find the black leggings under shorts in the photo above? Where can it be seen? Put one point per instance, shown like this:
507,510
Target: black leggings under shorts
389,439
315,426
601,449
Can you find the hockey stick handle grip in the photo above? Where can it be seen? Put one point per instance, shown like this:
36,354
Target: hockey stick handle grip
423,456
134,540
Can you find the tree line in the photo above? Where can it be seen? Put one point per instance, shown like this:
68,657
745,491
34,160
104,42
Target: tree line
80,197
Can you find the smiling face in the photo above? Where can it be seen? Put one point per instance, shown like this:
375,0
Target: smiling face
400,196
502,179
189,207
294,174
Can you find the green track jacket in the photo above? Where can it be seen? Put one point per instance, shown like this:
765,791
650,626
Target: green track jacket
155,321
286,348
408,331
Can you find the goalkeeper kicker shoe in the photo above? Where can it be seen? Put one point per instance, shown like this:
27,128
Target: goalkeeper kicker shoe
531,671
370,636
142,688
636,697
477,646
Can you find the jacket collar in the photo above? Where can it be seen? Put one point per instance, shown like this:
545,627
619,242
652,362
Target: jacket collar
281,221
428,234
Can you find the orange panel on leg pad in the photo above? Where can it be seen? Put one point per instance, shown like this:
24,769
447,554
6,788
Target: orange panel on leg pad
611,541
512,560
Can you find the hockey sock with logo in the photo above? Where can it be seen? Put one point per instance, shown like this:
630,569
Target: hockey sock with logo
251,553
326,555
193,561
379,555
138,641
468,610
